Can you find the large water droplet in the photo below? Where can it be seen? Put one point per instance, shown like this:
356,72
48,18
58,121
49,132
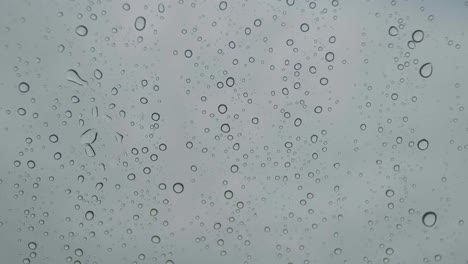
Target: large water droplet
23,87
32,245
393,31
140,23
81,30
429,219
90,150
89,215
426,70
178,187
423,144
418,36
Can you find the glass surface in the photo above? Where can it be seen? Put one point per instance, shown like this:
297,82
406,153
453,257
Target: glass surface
237,131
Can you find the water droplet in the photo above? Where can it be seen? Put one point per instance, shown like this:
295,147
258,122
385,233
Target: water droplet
417,36
153,212
330,56
74,77
140,23
53,138
225,128
188,53
89,215
222,108
228,194
155,117
89,136
178,187
426,70
79,252
222,5
304,27
423,144
23,87
161,8
98,74
429,219
230,81
81,30
32,245
155,239
393,31
89,150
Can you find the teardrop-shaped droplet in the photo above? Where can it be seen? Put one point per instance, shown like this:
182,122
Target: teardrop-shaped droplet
74,77
140,23
161,8
426,70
